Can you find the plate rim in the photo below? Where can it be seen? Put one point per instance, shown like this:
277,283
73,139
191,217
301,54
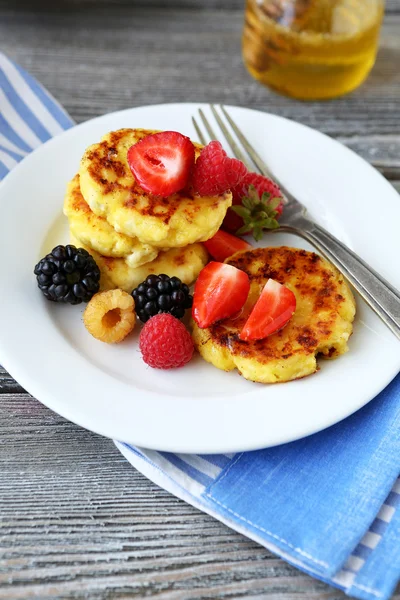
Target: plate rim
28,384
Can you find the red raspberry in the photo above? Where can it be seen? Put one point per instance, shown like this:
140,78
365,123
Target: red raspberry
215,173
165,342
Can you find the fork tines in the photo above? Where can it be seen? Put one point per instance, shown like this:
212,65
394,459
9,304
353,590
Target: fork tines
249,157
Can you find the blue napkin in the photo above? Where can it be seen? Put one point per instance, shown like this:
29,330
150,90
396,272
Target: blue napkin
327,503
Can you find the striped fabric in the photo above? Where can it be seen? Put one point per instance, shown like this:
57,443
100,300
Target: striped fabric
371,539
28,117
195,473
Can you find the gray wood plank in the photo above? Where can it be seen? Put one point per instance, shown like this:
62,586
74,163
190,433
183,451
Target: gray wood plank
108,59
77,521
7,384
392,6
382,151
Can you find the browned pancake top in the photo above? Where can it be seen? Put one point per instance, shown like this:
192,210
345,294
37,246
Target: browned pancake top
320,293
108,169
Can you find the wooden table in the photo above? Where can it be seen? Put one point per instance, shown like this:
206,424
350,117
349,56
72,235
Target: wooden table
77,521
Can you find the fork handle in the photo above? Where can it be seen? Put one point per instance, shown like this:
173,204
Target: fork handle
383,298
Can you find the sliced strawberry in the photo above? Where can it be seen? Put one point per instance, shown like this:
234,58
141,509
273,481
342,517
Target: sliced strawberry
162,162
220,292
222,245
272,311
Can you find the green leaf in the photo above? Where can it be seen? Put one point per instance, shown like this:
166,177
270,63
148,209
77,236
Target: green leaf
248,203
271,224
257,213
257,233
241,211
253,194
244,229
265,197
275,202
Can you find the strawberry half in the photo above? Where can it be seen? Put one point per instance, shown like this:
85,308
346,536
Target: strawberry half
162,162
222,245
273,309
220,292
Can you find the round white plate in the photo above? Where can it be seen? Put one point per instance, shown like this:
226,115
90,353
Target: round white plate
198,408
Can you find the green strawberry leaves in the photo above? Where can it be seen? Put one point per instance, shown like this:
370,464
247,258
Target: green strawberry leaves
257,213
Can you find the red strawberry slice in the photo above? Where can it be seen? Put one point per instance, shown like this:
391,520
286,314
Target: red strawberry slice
220,292
162,162
215,173
222,245
272,311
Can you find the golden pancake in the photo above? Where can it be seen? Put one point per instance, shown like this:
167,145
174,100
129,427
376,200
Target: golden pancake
108,186
95,232
321,324
185,263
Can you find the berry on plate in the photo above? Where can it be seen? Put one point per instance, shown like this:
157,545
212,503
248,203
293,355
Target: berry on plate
223,245
68,274
215,173
274,308
161,294
165,343
256,205
110,316
220,291
162,162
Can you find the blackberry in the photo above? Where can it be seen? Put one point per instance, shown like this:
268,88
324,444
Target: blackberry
161,294
68,274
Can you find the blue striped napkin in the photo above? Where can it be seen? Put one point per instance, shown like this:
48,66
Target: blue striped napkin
327,503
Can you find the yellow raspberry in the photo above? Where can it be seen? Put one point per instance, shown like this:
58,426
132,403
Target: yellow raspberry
110,316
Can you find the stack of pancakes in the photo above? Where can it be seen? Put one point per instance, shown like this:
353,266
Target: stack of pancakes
129,232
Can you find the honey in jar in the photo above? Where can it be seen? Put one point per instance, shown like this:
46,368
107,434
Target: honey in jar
311,49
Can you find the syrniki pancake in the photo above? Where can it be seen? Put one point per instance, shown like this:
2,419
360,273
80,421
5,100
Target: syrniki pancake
95,232
108,186
185,263
321,324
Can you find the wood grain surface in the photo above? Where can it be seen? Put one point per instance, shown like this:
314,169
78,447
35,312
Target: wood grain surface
76,520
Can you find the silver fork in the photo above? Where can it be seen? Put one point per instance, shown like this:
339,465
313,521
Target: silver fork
379,294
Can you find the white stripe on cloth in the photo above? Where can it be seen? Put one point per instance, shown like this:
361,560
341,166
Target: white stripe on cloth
371,540
201,464
344,579
354,563
8,145
29,97
396,487
17,123
187,482
386,513
7,160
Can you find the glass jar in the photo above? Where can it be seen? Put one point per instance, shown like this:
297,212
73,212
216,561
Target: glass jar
311,49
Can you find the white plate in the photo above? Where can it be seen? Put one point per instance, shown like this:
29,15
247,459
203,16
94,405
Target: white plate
108,389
